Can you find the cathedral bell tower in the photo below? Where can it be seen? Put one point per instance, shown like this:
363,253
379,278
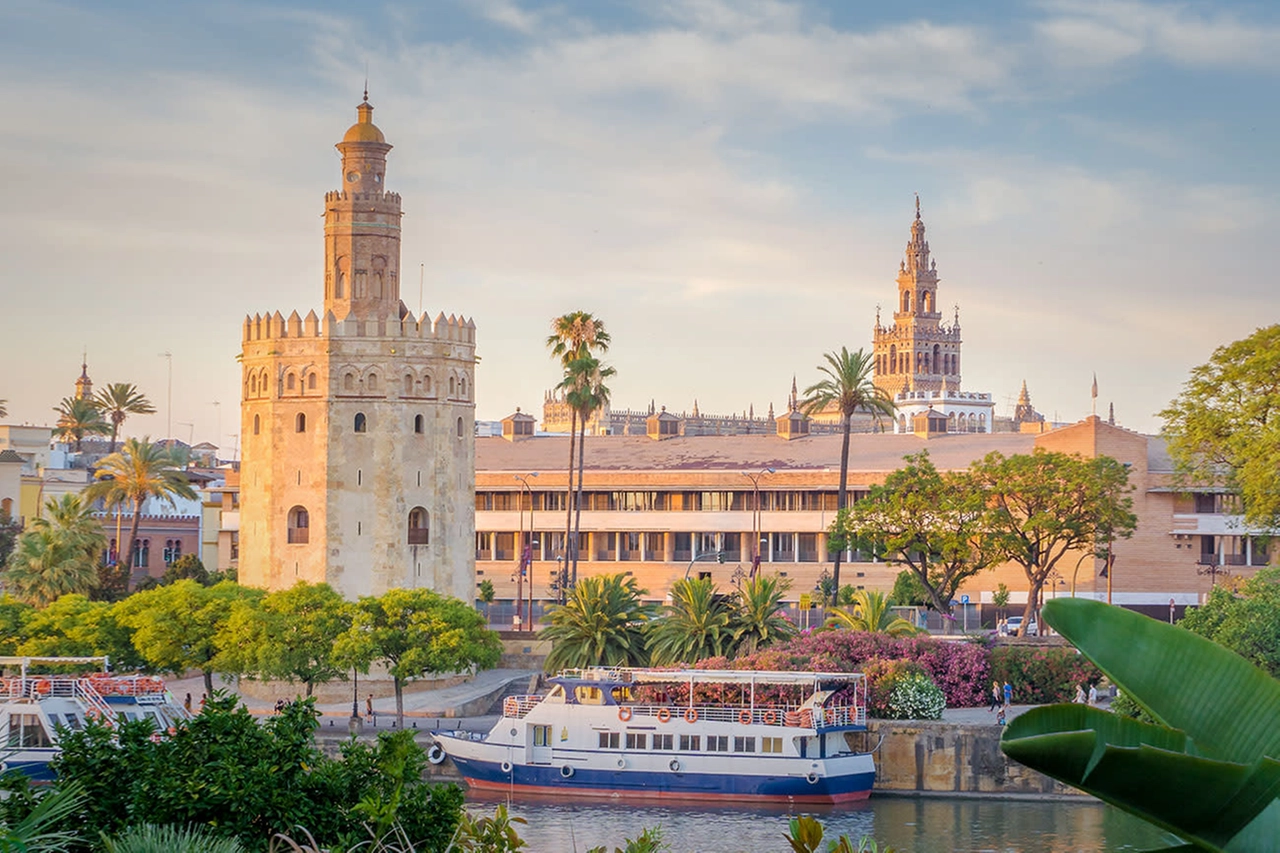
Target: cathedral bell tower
362,228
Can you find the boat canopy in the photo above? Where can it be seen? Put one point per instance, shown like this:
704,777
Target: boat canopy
619,675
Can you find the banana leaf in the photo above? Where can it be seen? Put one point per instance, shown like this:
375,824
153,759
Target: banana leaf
1209,774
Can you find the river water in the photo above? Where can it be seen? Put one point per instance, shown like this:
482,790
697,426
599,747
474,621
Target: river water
909,825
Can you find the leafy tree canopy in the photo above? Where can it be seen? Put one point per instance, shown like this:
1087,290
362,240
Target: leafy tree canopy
1225,426
870,612
289,634
1248,623
695,625
600,624
76,626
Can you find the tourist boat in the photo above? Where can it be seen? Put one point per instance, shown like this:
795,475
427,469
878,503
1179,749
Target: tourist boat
750,736
35,709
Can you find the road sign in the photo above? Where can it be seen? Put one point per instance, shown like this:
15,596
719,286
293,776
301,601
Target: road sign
964,599
806,601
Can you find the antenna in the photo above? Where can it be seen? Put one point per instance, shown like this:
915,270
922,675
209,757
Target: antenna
422,272
366,81
168,429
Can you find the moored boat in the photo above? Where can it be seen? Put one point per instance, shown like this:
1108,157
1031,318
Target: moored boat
757,736
34,708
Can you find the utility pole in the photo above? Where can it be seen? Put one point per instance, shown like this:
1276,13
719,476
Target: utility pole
168,427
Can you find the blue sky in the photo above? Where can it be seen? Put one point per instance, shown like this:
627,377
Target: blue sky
728,184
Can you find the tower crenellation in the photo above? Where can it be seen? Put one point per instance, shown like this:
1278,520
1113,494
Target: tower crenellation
358,420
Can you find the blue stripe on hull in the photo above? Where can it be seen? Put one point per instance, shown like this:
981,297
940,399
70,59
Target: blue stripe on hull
664,783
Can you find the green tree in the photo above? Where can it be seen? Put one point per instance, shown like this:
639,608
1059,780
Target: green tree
1247,624
188,567
1046,505
119,400
289,634
10,529
486,591
907,591
58,555
78,417
75,626
601,623
930,522
13,619
849,386
415,632
140,470
573,336
871,612
1225,425
586,393
180,626
758,621
695,625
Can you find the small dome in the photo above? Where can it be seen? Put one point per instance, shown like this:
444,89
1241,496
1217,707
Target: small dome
364,130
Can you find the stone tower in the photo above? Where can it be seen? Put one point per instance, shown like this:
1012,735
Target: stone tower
917,351
358,461
84,385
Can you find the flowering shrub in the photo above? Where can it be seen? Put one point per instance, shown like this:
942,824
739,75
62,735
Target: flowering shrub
1041,675
883,676
915,697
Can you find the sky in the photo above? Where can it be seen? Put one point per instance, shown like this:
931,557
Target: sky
728,185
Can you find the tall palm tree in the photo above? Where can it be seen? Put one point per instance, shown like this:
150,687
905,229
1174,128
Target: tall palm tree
849,385
78,417
696,624
586,393
758,621
58,555
138,471
574,335
119,400
870,612
601,623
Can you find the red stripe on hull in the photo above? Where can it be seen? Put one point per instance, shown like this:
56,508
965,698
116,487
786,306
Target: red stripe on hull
608,794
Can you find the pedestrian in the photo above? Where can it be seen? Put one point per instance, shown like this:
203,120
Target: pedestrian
1000,718
186,703
1079,700
279,705
1008,694
996,696
368,709
203,698
1093,694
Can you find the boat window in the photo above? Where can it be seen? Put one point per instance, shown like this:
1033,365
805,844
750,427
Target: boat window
663,742
53,721
636,740
73,722
556,696
589,696
25,730
771,744
690,743
609,740
717,743
542,735
620,694
744,744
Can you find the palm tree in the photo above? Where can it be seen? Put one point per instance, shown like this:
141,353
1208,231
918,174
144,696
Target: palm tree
758,622
848,385
870,612
696,624
600,624
4,413
586,393
58,555
78,417
572,336
119,400
138,471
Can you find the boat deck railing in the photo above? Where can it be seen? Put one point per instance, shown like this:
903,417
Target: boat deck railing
516,707
88,691
838,715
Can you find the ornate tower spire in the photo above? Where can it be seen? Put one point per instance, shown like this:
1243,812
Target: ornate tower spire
84,385
362,228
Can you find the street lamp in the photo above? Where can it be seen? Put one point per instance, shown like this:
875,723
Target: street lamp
755,516
526,557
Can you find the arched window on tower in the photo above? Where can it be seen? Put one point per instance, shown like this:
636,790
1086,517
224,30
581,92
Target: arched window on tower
299,526
419,526
300,423
257,424
361,423
937,359
926,301
893,358
463,387
426,384
372,382
419,424
906,300
461,429
253,384
311,382
982,423
408,385
453,386
349,382
290,382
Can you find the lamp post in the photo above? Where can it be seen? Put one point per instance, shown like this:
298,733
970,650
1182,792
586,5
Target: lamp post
755,516
526,557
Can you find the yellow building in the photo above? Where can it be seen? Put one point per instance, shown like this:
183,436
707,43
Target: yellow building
357,424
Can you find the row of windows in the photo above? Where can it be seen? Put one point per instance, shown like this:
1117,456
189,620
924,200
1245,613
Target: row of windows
632,501
955,423
299,526
905,361
681,546
258,384
690,743
142,552
360,424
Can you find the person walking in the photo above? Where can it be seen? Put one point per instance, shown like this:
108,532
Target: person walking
368,709
996,696
1008,694
1079,700
1093,694
186,703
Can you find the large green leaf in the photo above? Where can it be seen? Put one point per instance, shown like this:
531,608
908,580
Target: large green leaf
1143,769
1229,708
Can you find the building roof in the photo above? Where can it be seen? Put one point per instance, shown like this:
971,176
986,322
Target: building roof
867,452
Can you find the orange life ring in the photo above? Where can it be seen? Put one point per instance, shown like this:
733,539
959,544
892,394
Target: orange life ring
43,686
664,715
791,718
624,713
744,717
806,718
691,715
770,717
93,713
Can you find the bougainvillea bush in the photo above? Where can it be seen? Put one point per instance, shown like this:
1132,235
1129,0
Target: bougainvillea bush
1042,675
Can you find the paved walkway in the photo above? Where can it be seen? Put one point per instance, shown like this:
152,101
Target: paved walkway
445,702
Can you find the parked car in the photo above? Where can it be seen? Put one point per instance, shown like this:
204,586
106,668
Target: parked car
1013,623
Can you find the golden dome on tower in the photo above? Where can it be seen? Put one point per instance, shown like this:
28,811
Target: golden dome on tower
364,130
